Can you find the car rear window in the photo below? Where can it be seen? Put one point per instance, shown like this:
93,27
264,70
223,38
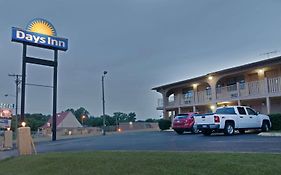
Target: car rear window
229,110
181,116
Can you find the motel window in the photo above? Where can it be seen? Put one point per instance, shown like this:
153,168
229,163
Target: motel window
187,94
219,88
242,84
208,91
171,98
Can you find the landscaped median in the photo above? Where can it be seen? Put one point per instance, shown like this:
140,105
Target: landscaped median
84,163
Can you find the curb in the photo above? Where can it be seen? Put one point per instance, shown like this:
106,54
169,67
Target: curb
269,134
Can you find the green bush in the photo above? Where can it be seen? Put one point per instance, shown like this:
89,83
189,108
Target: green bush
164,124
276,121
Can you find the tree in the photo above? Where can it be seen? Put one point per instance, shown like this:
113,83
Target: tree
121,117
131,117
79,113
34,121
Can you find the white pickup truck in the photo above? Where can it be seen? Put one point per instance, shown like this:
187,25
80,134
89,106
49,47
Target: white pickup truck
231,118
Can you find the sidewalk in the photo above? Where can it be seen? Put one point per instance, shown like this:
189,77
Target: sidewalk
271,133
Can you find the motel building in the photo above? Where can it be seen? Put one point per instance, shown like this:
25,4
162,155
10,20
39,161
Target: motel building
257,85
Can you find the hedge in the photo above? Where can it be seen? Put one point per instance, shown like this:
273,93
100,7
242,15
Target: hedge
164,124
275,121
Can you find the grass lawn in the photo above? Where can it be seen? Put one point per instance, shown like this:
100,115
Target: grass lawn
123,163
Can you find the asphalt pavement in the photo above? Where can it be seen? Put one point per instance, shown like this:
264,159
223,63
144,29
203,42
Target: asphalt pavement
162,141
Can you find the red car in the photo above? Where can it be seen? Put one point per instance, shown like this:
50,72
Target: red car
184,122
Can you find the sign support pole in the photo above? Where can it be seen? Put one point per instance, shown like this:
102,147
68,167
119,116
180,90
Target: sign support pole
23,82
54,125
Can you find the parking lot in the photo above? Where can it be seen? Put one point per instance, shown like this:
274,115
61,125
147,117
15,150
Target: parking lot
163,141
167,141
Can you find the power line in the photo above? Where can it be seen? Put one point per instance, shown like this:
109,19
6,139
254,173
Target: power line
38,85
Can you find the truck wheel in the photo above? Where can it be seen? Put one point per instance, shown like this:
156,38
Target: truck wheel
265,126
180,132
228,129
207,132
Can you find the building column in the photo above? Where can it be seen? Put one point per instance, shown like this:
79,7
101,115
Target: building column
239,103
165,114
212,81
268,105
266,89
194,108
195,95
179,110
165,103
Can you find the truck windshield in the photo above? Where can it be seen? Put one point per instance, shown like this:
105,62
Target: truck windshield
227,110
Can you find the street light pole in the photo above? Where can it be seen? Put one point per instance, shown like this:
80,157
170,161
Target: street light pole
103,101
17,81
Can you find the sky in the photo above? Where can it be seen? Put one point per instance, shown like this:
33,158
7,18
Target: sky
141,43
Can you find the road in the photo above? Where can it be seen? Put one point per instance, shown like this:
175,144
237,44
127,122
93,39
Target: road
163,141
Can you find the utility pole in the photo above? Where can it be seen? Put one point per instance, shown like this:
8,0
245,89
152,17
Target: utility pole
17,81
103,101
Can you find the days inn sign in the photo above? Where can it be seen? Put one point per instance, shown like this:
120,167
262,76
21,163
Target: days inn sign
40,33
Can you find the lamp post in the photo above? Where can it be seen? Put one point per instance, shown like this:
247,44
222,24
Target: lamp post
103,101
17,81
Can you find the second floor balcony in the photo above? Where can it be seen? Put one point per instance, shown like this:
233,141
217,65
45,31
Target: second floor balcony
237,91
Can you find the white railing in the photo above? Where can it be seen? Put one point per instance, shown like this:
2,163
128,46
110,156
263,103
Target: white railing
252,88
171,103
160,103
187,100
274,85
204,96
227,92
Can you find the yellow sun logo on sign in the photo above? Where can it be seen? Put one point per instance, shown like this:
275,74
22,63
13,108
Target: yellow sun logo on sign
41,26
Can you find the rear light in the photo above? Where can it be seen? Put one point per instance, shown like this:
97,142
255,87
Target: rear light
216,119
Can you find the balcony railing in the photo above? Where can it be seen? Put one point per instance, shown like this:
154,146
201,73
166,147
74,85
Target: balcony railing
274,85
160,103
204,96
240,90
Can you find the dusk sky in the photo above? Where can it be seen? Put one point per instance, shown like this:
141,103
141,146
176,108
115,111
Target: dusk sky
141,43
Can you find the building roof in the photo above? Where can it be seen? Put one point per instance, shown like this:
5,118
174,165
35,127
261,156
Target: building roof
269,61
60,117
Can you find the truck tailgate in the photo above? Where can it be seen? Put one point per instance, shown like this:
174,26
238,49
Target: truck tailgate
204,119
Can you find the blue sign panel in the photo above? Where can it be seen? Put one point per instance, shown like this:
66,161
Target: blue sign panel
39,40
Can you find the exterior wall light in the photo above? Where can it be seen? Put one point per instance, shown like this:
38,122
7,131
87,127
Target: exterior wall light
23,124
212,107
195,85
210,77
260,71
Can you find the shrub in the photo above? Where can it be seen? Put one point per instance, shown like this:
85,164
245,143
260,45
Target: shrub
164,124
276,121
